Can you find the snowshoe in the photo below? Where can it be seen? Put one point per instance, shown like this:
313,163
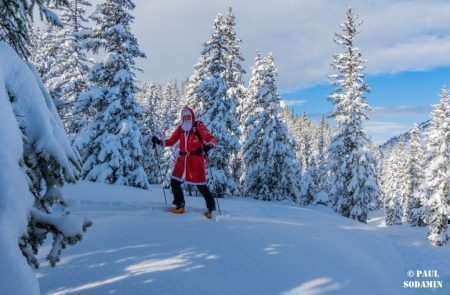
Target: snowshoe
180,210
208,214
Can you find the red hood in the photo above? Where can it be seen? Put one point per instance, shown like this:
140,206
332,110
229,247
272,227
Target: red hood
192,114
190,110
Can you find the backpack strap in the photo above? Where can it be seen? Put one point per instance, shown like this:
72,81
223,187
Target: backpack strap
194,129
196,132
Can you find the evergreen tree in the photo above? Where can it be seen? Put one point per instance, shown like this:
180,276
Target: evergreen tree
170,120
351,164
246,106
112,142
291,121
67,78
308,185
288,117
15,21
384,169
309,178
170,107
375,203
416,179
402,179
271,171
233,68
299,134
150,98
387,173
44,53
208,96
306,142
438,171
233,77
391,191
37,160
321,159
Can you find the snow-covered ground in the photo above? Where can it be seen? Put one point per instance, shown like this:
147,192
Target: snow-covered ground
254,247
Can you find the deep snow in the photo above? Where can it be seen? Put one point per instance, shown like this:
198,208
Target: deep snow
254,247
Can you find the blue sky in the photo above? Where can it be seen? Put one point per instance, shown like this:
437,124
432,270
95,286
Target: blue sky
398,100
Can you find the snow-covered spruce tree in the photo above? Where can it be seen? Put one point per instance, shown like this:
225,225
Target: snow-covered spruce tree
385,174
170,107
396,186
375,204
318,167
296,132
67,78
170,118
437,173
208,96
36,158
34,152
351,164
271,171
288,117
401,180
233,68
112,142
43,48
313,153
308,185
323,140
305,141
416,179
15,21
309,177
233,76
161,107
246,105
291,121
150,97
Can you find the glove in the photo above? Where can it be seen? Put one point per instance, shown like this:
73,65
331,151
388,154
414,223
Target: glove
206,148
156,140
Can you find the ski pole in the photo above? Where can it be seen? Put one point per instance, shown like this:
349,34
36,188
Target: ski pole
160,173
214,195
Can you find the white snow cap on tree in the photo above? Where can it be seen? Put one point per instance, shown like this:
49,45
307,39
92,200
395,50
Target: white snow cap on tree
29,119
112,143
416,179
353,177
65,75
271,171
208,95
438,171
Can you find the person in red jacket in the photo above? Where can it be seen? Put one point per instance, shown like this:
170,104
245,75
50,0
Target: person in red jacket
190,167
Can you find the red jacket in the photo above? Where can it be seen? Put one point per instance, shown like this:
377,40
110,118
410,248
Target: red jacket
190,165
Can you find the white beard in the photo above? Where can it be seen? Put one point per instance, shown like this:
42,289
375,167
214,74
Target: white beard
186,125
